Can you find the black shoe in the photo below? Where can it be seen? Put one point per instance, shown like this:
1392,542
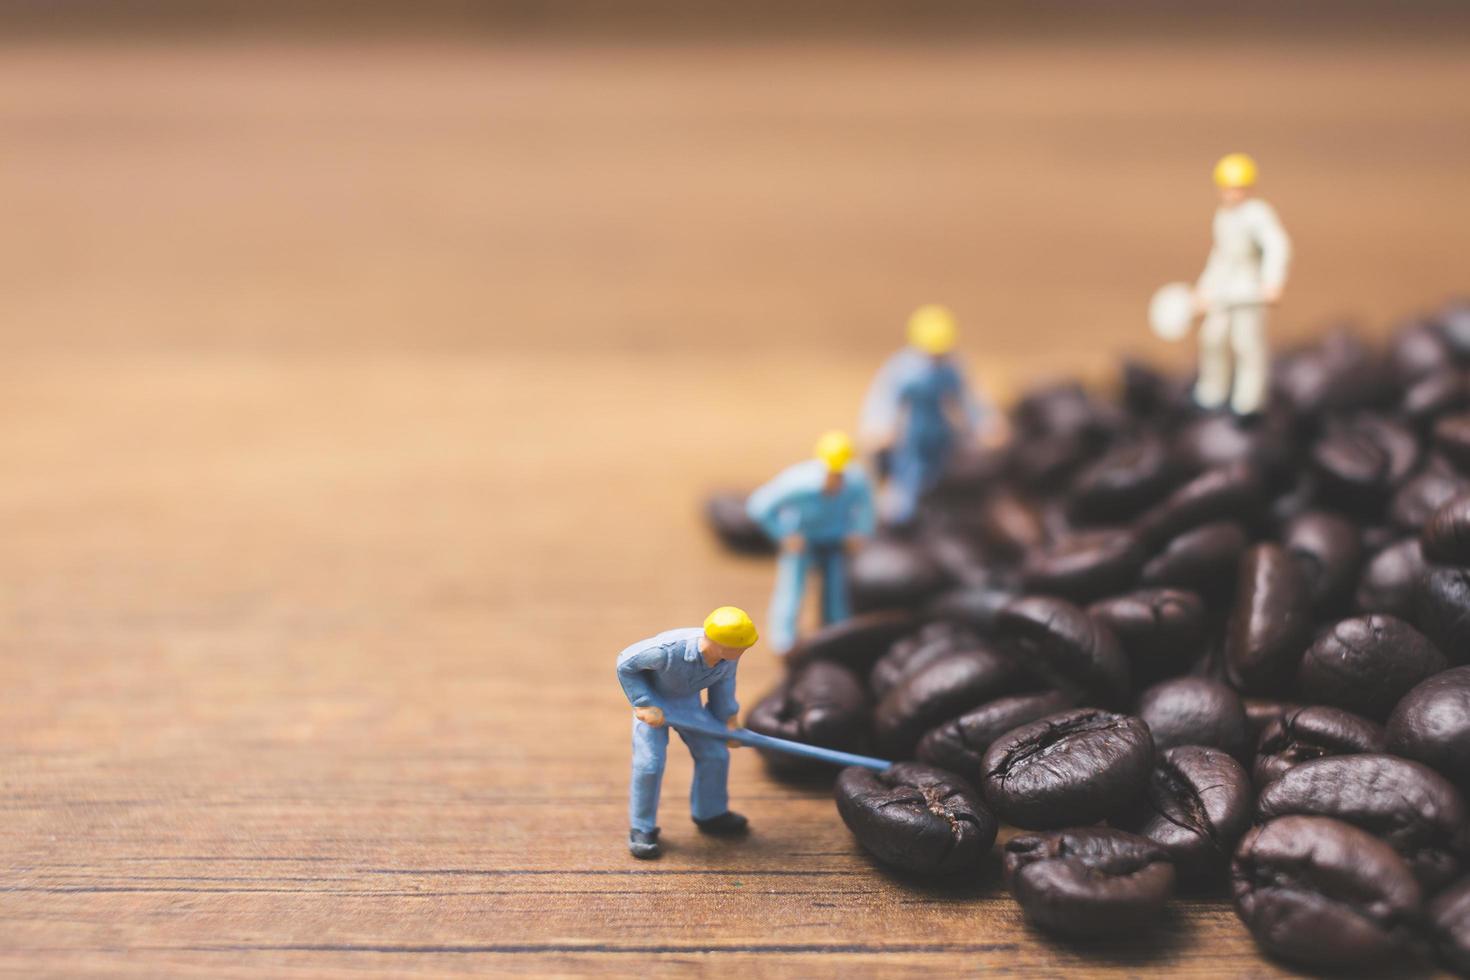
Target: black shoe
724,825
644,844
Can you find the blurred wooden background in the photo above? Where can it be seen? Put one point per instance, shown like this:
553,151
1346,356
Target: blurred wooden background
358,399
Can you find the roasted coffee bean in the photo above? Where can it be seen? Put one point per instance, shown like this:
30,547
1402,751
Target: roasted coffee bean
1323,894
912,654
961,561
1410,806
1075,767
1122,482
856,643
1065,648
1203,559
1314,732
1261,712
1453,321
1049,461
1083,566
1416,350
1197,805
822,704
725,511
1328,552
1431,724
1452,437
976,607
1226,493
1196,711
1449,921
1010,525
1162,631
1390,581
1361,461
1270,624
1337,373
1089,882
1221,439
1416,501
893,573
1433,395
1446,535
945,689
1365,664
1376,537
1063,408
959,744
1442,609
915,818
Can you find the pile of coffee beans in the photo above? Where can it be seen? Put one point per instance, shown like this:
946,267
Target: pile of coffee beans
1180,651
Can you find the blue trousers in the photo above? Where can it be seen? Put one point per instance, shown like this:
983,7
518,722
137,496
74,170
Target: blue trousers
708,797
791,569
918,465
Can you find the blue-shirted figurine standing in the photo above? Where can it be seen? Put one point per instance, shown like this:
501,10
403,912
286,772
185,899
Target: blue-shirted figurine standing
667,674
818,511
919,409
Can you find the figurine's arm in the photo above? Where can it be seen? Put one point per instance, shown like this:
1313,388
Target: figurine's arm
1275,248
879,417
1209,279
862,520
974,413
767,506
722,703
633,668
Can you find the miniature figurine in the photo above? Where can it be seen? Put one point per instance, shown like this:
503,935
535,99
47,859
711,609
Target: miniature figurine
818,511
663,678
1245,273
918,410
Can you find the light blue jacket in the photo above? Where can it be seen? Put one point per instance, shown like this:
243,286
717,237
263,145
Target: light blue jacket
793,503
914,388
668,669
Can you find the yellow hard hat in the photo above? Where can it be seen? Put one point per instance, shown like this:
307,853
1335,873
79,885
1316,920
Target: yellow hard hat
834,449
1235,170
730,627
932,329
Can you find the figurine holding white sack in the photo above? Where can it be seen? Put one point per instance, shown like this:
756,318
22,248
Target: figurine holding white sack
1245,273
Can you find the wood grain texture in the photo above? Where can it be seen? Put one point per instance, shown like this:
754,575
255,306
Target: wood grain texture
357,406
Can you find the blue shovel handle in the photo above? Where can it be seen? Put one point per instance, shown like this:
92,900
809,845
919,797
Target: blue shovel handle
708,726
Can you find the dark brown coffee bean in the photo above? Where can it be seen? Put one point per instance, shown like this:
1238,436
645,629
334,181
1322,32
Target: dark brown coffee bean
1162,631
945,689
1010,524
1435,394
975,607
1416,350
1196,711
912,654
1221,439
959,744
1442,609
1083,566
893,573
1315,732
1453,320
1197,805
1424,493
1337,373
1049,461
1328,551
1446,535
1361,461
1365,664
1323,894
1203,559
1064,648
727,517
1410,806
1270,624
1261,712
824,703
1449,921
856,642
915,818
1089,882
1452,437
1076,767
1063,408
1431,724
1390,580
960,559
1227,493
1122,482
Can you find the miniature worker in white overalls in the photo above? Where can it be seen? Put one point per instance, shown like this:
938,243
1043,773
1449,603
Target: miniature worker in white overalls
1244,274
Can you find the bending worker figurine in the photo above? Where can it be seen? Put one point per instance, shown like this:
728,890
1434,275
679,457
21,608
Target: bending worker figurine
1245,273
670,670
919,409
818,511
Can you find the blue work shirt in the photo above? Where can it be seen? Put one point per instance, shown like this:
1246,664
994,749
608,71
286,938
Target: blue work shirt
794,503
669,668
915,388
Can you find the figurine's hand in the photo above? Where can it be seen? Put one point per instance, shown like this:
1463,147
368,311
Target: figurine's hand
793,543
650,715
1271,294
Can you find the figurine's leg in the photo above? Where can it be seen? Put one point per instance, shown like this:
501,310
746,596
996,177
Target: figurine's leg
1213,386
1252,360
786,600
709,796
902,498
836,604
650,749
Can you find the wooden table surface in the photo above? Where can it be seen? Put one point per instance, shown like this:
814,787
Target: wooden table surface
358,400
